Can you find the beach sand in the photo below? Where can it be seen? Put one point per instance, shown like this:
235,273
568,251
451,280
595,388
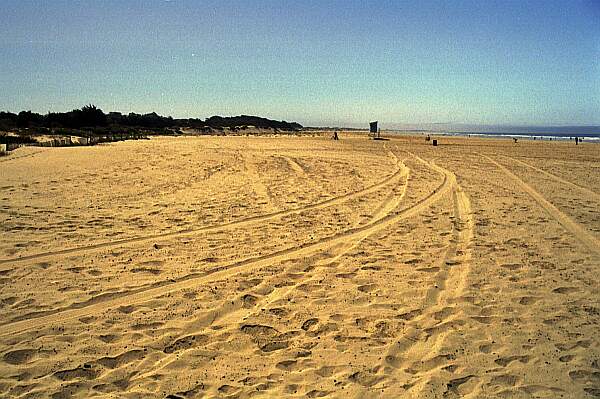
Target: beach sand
241,267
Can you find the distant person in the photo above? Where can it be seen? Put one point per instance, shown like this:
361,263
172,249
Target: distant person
335,135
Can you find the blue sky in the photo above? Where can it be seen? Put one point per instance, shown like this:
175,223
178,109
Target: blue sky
315,62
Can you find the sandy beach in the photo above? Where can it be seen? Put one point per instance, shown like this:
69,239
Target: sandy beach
264,267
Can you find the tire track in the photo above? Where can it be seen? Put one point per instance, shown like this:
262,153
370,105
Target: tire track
247,265
416,356
20,156
557,178
429,355
296,167
579,232
261,190
231,313
400,172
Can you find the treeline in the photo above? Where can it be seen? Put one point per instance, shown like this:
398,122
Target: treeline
93,118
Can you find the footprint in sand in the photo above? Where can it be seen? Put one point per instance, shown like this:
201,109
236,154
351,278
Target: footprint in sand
528,300
19,356
187,342
585,376
512,266
309,324
566,358
565,290
288,365
122,359
146,270
505,380
367,288
433,269
505,361
248,301
365,378
83,372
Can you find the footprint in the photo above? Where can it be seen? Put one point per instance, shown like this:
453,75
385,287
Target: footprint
249,301
512,266
122,359
146,270
484,319
505,379
6,272
288,365
565,290
485,348
366,379
274,346
451,368
394,361
279,312
443,314
566,358
153,325
308,324
505,361
367,288
227,389
19,356
317,394
528,300
327,371
86,372
126,309
595,392
433,269
454,384
583,375
410,315
258,330
109,338
371,267
186,343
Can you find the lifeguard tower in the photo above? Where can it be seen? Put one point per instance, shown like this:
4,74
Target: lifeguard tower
373,130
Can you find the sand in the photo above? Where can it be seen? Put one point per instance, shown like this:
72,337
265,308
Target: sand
246,267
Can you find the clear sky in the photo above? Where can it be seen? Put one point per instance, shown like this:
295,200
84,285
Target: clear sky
316,62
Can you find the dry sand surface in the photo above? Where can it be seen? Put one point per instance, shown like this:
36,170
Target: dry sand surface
246,267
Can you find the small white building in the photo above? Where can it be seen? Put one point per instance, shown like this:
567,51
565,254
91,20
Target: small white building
76,140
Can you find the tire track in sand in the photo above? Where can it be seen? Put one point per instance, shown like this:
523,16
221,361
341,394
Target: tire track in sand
427,354
142,295
295,166
557,178
20,156
259,188
416,356
400,172
578,231
231,313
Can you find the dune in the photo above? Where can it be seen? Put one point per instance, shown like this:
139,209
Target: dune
251,267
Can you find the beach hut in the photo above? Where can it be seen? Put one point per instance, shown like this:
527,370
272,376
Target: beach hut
13,146
373,129
76,140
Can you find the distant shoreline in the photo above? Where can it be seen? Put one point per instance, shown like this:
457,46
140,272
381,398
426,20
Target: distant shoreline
592,137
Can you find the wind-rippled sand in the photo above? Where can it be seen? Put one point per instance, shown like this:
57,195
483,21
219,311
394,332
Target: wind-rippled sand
241,267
